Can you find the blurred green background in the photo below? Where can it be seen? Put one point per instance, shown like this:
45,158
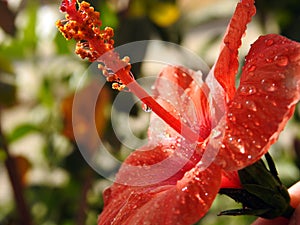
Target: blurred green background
43,178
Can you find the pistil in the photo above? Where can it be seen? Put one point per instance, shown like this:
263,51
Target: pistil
83,25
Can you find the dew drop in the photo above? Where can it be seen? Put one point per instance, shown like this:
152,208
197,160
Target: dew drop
247,90
245,125
269,86
184,189
256,123
184,120
274,103
251,105
256,144
240,145
269,60
269,42
281,60
264,139
146,108
236,105
252,68
231,117
237,143
249,132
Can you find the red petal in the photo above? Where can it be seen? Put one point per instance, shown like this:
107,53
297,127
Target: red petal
230,179
227,64
181,199
265,100
182,93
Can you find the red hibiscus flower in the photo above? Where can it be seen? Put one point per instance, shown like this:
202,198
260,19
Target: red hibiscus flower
199,129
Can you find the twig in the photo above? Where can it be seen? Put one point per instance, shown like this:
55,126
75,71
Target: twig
15,180
81,214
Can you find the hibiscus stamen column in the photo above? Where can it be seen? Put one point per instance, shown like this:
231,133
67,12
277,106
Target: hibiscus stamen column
82,24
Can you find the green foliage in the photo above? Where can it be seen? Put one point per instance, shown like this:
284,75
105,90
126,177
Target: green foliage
20,131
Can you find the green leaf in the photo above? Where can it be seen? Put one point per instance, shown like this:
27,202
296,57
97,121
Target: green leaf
108,15
30,37
3,155
6,65
21,131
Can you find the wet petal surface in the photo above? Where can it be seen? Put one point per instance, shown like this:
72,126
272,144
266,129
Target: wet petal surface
227,64
265,100
181,92
179,200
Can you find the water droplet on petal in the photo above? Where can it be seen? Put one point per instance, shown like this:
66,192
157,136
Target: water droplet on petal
241,146
281,60
269,42
146,108
251,105
236,105
231,117
269,85
249,132
256,123
256,144
269,60
184,189
236,143
248,90
252,68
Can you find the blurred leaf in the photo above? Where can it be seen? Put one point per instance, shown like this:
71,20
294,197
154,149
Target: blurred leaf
7,94
164,14
30,37
27,41
6,65
62,45
137,8
108,15
3,155
21,131
46,93
7,22
80,117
